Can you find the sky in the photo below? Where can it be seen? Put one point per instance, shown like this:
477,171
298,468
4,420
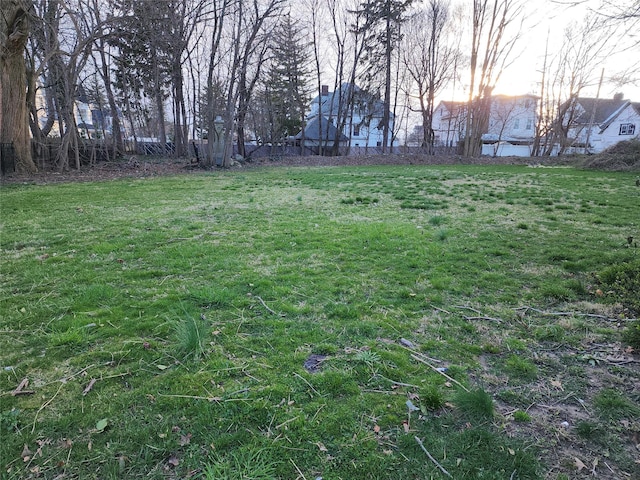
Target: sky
550,18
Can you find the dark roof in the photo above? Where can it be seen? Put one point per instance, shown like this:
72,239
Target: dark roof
331,101
312,130
604,109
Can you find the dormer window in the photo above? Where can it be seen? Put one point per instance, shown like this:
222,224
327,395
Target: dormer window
627,129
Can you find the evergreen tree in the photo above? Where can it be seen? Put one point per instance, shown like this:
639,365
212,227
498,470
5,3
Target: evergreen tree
288,81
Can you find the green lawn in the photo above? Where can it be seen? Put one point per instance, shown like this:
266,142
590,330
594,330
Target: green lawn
343,323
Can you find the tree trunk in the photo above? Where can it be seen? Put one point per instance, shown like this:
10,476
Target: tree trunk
14,114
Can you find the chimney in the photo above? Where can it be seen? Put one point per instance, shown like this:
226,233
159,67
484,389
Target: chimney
618,97
325,90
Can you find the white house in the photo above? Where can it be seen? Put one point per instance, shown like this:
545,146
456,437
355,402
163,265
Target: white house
91,121
599,123
510,131
362,113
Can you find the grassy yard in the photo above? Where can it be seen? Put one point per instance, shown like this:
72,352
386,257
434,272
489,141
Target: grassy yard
343,323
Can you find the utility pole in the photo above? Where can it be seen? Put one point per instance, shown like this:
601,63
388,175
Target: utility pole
593,114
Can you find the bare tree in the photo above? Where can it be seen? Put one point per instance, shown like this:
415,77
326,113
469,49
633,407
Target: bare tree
250,26
573,68
430,56
14,120
491,45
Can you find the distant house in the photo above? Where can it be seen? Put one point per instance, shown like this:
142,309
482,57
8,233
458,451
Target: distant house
91,121
595,124
320,130
449,123
510,131
360,113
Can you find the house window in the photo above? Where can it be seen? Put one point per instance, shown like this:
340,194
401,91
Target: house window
356,131
627,128
529,124
516,124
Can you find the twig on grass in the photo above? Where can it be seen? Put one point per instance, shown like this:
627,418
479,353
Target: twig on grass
479,316
286,422
526,308
434,360
442,469
265,306
435,369
497,320
400,384
440,309
45,405
462,307
88,388
20,389
192,397
296,466
305,381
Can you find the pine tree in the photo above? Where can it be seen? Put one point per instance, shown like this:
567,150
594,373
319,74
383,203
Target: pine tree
288,82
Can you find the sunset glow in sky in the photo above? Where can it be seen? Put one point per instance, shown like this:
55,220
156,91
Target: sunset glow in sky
550,18
547,19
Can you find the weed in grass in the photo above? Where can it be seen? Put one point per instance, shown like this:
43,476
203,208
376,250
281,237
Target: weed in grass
520,416
521,368
191,337
442,234
368,357
474,404
432,398
588,430
437,220
242,464
549,333
491,348
623,280
631,334
613,405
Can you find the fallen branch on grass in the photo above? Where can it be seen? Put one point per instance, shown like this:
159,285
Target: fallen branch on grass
44,405
417,356
20,389
479,316
88,388
265,306
526,309
442,469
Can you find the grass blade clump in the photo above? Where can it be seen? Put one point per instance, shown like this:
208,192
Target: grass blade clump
191,337
475,404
